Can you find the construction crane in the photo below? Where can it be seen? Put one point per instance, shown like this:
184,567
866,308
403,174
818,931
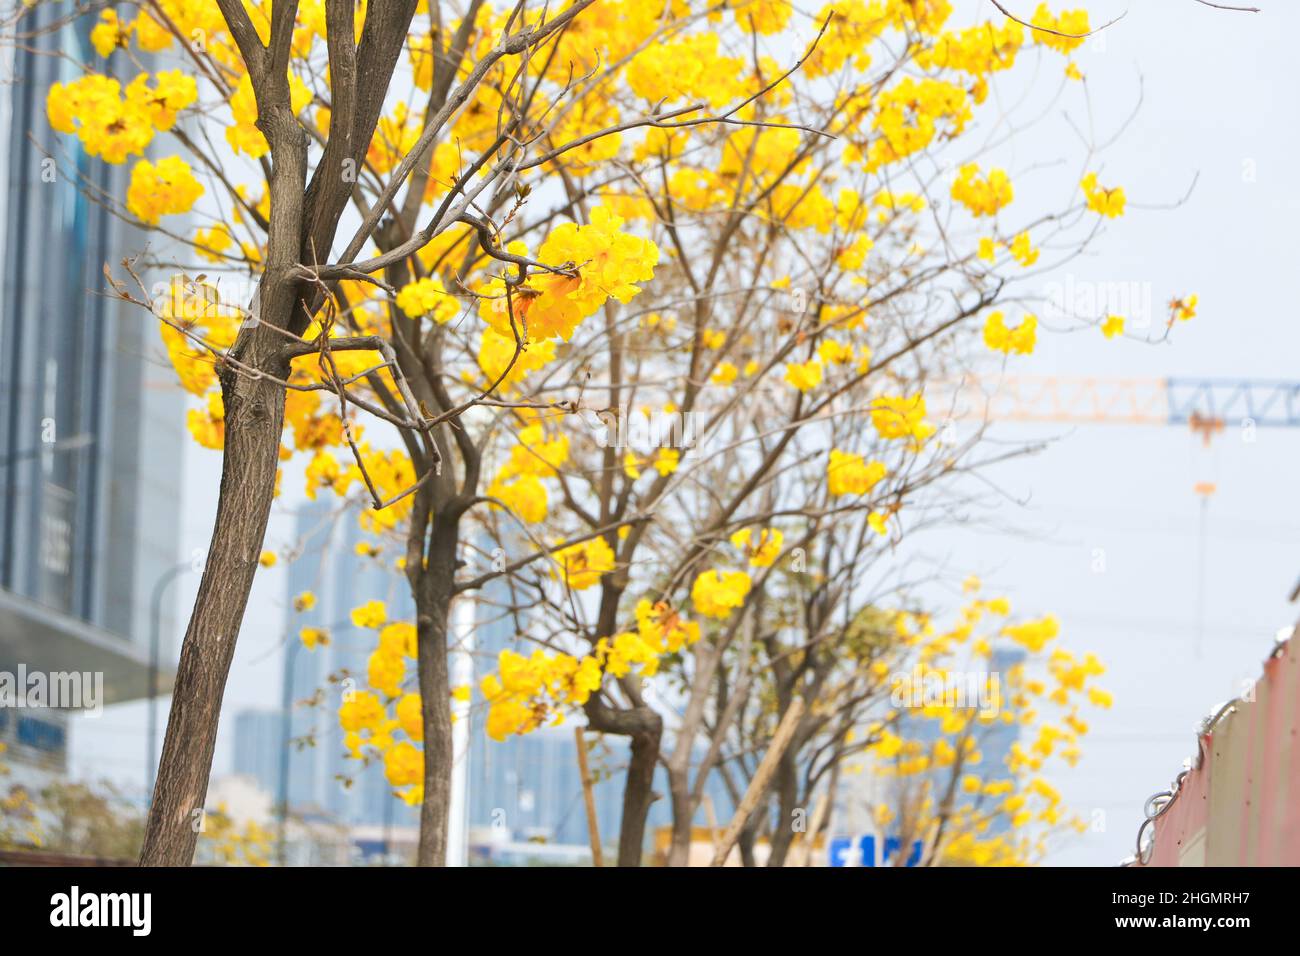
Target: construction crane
1205,405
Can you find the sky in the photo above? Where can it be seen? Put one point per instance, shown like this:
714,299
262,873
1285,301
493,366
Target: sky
1189,594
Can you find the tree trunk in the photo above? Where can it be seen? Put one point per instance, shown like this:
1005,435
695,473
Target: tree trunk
433,595
644,728
679,853
254,416
747,839
787,791
638,794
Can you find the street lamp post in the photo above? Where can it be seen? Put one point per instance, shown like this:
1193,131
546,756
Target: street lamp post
155,639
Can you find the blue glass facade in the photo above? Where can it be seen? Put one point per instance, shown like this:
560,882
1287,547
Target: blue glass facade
91,424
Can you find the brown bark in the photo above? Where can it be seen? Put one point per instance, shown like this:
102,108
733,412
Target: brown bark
254,416
433,587
748,839
638,794
679,852
644,729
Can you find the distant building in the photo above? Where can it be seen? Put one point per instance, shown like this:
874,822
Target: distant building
319,772
257,747
90,427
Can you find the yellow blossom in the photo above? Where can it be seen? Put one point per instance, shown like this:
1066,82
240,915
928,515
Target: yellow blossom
1107,202
371,614
850,474
1000,338
717,594
165,188
314,637
582,565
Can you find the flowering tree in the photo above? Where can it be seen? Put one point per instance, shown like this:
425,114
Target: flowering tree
819,271
451,252
939,790
303,92
939,736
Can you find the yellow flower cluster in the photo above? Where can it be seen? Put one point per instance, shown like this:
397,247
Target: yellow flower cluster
1033,635
314,637
1183,309
366,724
518,484
979,50
536,453
911,115
687,68
895,417
805,376
959,703
1022,250
582,565
526,692
162,189
364,715
525,495
208,424
716,594
1001,338
609,263
229,844
196,307
429,297
850,474
1074,23
764,17
762,550
195,21
1108,202
984,194
496,351
112,123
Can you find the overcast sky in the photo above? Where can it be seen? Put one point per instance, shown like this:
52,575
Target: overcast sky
1217,106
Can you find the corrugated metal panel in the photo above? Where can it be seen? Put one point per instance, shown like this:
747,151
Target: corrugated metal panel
1240,804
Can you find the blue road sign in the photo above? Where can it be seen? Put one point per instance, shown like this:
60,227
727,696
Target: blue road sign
845,851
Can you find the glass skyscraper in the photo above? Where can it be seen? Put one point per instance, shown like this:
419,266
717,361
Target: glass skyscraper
91,425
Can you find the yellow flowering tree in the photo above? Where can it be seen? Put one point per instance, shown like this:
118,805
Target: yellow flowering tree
449,256
978,714
819,266
445,285
939,738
